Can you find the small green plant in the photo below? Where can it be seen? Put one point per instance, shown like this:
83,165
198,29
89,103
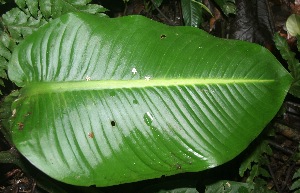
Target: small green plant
252,170
293,63
293,28
296,184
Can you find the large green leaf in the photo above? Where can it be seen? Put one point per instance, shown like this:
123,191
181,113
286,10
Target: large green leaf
108,101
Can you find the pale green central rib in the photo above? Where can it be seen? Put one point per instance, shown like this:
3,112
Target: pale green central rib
45,87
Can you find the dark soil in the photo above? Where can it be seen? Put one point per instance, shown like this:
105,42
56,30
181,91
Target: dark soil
255,21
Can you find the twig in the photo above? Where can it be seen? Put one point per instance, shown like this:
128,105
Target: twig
160,12
293,104
274,179
277,146
287,177
287,131
180,12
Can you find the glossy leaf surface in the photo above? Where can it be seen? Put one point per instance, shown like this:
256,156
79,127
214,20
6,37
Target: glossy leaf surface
192,12
109,101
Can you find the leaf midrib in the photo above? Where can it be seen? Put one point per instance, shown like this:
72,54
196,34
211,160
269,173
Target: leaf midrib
57,87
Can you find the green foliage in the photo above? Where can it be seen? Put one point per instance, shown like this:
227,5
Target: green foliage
225,186
293,63
6,47
255,161
293,25
20,22
227,6
252,170
180,190
31,15
296,184
108,107
157,2
6,113
55,8
172,186
192,12
152,5
229,187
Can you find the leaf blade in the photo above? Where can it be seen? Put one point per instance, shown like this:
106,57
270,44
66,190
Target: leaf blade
192,113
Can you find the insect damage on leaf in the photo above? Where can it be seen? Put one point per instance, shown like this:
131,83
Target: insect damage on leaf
113,123
162,36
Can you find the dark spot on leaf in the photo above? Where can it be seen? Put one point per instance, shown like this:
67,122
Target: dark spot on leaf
163,36
113,123
135,101
91,135
21,126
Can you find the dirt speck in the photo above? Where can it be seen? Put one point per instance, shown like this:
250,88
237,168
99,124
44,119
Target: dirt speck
91,135
20,126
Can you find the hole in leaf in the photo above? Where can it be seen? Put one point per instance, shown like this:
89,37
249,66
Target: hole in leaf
163,36
113,123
